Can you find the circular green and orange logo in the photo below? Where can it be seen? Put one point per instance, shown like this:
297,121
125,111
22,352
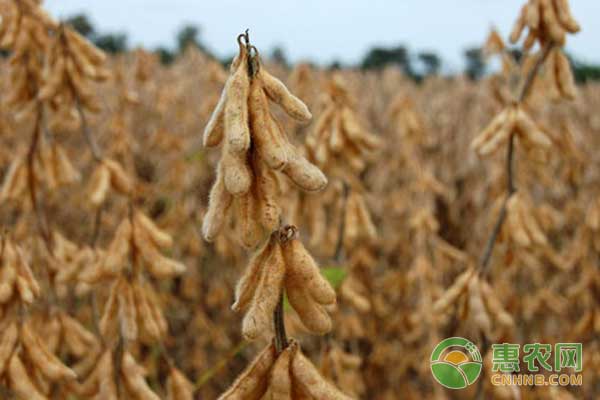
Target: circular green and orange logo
456,363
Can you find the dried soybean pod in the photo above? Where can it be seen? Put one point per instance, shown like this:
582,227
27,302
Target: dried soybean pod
250,231
477,308
500,137
566,19
564,75
259,316
19,380
252,383
555,30
215,127
75,336
312,314
218,204
303,270
237,175
532,227
144,313
99,184
266,134
303,173
514,222
178,387
530,130
47,362
453,292
280,94
118,177
158,265
517,30
8,275
336,140
237,131
532,14
307,376
127,313
365,218
280,386
111,310
246,286
159,237
266,188
134,379
8,341
490,130
106,377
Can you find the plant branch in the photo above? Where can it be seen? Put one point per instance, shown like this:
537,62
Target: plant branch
281,341
510,183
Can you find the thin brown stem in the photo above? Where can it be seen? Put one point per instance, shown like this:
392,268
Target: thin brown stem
339,248
510,155
281,341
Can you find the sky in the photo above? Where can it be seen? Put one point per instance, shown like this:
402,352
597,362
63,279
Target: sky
325,30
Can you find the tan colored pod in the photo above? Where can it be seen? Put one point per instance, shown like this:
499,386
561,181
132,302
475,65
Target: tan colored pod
215,127
144,313
8,273
280,94
237,175
133,377
118,177
303,272
498,139
246,286
532,14
99,184
252,383
127,313
517,30
19,380
514,223
551,24
119,248
267,136
493,127
529,130
218,204
237,130
312,314
38,353
304,174
310,380
158,265
453,292
566,19
266,189
15,180
259,317
178,387
111,311
564,75
250,232
8,342
280,385
477,308
159,237
78,339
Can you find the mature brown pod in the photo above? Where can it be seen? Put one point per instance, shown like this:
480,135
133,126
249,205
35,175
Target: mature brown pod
267,295
253,382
